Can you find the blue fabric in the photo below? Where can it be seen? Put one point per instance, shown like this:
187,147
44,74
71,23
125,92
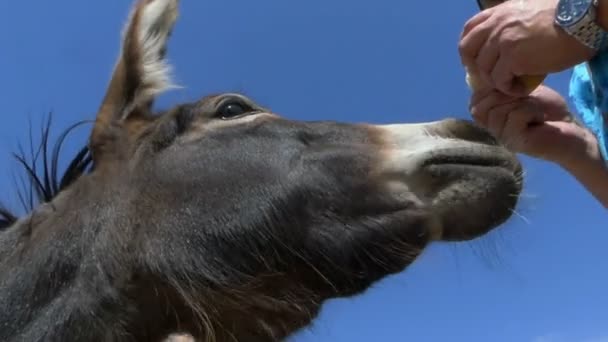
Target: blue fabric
589,94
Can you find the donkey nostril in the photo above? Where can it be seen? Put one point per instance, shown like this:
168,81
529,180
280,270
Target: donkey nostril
305,137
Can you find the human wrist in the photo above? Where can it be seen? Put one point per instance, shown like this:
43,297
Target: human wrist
582,161
592,172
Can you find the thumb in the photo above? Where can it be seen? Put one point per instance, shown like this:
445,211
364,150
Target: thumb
543,131
553,111
558,115
551,103
551,140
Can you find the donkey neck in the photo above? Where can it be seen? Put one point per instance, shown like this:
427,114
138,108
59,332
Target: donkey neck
60,270
70,271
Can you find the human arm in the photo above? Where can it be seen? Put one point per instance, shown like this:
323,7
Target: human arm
591,171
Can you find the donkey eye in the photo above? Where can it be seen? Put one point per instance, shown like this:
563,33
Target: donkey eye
232,109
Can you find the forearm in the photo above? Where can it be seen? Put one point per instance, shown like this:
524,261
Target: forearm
592,172
595,180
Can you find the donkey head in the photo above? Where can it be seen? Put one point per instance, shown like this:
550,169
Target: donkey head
250,217
222,219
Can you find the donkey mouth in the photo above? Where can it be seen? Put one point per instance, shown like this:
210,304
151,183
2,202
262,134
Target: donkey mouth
480,161
472,191
485,156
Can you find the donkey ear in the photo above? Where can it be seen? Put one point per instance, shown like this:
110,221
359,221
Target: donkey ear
140,74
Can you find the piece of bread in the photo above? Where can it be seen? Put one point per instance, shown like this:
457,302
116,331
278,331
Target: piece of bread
530,82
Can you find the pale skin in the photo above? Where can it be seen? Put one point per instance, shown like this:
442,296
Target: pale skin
517,38
506,41
540,125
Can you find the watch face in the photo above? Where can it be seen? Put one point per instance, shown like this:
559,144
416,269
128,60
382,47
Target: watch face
571,11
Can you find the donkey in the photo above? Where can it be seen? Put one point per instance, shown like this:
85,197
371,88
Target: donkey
222,220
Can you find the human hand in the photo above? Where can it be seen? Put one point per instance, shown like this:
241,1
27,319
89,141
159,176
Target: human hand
518,38
539,125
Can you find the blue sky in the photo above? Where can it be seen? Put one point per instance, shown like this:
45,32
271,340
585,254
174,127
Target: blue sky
541,278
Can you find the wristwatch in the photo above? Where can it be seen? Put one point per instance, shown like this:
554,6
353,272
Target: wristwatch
578,19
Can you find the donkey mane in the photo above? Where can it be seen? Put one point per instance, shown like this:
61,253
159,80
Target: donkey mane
40,180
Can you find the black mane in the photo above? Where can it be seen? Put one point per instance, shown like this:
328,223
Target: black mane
41,181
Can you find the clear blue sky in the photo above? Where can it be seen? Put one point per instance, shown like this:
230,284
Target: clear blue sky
539,279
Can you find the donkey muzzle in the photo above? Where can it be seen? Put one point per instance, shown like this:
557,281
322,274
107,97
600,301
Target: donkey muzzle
468,180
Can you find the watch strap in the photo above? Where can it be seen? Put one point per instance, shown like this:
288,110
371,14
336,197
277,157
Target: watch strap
587,31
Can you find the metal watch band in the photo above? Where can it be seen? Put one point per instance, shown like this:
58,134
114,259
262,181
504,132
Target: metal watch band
588,32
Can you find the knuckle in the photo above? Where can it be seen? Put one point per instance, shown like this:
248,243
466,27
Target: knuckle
464,49
508,39
504,85
468,25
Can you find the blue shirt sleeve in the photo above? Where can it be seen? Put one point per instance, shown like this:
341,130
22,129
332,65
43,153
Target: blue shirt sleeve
589,94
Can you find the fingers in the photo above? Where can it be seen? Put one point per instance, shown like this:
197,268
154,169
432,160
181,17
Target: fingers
515,130
487,46
484,103
504,79
487,57
498,118
480,50
524,125
474,21
474,37
506,117
479,96
553,104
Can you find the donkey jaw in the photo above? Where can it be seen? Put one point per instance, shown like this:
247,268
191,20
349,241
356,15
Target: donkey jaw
467,181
